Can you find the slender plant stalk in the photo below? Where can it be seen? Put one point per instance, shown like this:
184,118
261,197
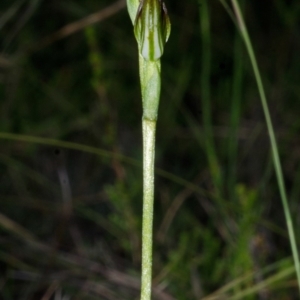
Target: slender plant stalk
235,115
277,164
152,29
206,101
148,199
208,141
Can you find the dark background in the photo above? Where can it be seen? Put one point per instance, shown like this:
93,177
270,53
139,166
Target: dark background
71,153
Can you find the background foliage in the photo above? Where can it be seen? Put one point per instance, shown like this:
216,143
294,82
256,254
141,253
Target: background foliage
70,155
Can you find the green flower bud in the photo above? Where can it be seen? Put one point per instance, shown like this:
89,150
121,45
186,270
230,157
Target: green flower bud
152,28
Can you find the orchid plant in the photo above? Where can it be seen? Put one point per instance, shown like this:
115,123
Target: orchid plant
152,29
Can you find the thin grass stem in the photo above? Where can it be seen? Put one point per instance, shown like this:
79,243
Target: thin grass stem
206,101
235,115
274,147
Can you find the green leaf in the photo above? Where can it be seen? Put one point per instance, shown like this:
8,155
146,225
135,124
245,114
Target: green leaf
152,28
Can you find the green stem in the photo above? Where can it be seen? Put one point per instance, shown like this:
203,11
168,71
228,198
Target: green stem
235,116
150,86
277,164
206,101
152,29
149,127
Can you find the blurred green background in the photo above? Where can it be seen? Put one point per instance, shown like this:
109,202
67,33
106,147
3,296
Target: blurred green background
71,153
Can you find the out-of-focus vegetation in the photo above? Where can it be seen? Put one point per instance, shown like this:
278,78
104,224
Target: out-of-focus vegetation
70,155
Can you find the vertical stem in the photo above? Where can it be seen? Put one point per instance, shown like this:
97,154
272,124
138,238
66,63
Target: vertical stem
150,85
206,101
274,147
152,29
235,115
149,127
